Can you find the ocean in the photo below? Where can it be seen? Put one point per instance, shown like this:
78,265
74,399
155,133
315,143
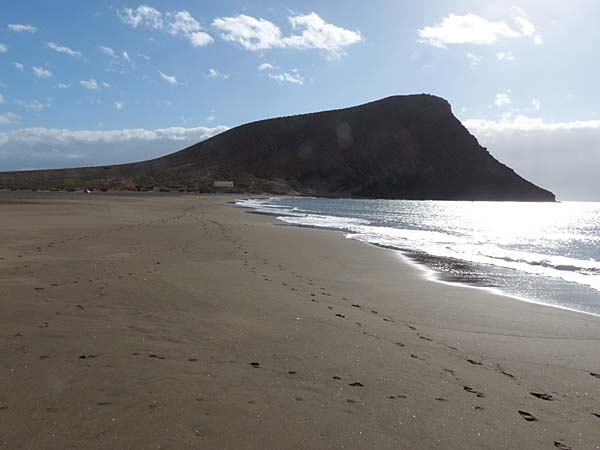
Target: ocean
547,253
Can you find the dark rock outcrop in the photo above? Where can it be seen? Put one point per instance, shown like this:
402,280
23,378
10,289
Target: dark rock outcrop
409,147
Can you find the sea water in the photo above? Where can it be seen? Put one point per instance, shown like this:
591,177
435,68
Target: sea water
542,252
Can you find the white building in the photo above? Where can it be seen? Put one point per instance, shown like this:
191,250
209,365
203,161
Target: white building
223,184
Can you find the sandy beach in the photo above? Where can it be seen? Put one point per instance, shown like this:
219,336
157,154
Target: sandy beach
178,321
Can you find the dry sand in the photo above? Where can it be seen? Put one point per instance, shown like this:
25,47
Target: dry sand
148,321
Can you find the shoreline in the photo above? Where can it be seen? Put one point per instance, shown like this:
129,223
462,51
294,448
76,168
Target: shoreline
180,321
430,273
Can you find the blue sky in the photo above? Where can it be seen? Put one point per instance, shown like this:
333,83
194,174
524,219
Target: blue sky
93,83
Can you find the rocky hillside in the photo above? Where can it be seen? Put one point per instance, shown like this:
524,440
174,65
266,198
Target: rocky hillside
409,147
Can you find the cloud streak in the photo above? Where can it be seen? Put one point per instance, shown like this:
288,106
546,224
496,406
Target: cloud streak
22,28
53,148
171,79
62,49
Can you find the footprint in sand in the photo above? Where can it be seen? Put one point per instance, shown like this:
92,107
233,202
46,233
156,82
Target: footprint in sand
292,372
356,384
470,390
256,365
541,396
400,344
528,417
336,377
597,375
411,327
340,315
561,446
475,363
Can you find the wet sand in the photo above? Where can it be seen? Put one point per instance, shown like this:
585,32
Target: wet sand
162,321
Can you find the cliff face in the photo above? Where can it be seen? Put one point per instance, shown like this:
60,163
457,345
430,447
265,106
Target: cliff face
408,147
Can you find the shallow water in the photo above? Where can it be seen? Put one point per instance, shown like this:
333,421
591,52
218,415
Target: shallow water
543,252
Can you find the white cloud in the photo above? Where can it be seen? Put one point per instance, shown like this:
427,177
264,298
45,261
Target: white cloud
310,32
168,78
505,56
1,99
62,86
467,29
502,99
119,104
177,23
200,39
527,28
3,139
294,77
142,15
146,57
34,105
41,73
93,85
108,51
536,103
214,73
18,65
53,148
21,28
265,66
316,33
3,48
253,34
62,49
474,60
561,156
8,118
528,124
